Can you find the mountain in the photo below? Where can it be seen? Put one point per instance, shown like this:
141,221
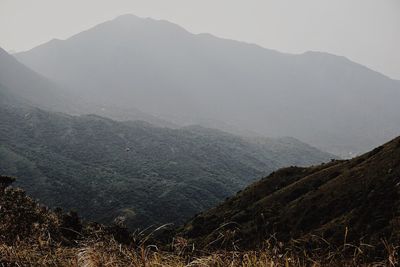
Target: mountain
26,87
353,201
22,86
151,175
163,70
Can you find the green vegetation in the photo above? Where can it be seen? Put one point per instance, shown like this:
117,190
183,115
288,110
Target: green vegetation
352,203
33,235
105,169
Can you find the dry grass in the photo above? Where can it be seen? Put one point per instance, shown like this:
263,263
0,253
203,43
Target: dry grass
32,235
108,252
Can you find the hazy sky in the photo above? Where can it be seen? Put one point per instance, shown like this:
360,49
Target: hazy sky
366,31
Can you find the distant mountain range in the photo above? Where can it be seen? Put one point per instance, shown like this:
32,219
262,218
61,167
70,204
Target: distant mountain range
163,70
150,78
353,201
26,87
22,86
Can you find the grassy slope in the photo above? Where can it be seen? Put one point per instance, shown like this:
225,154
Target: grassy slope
362,195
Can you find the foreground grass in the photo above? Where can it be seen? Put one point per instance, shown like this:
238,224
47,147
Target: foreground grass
33,235
111,253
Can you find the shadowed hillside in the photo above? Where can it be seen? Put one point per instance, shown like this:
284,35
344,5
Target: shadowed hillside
149,175
343,213
355,201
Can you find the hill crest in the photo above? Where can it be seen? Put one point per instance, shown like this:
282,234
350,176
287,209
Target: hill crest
355,200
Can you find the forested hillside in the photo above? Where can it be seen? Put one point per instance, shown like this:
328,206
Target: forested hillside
150,175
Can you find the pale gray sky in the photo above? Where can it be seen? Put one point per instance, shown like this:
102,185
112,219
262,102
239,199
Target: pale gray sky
366,31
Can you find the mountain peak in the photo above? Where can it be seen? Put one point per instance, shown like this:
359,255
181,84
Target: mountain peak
160,68
128,16
129,19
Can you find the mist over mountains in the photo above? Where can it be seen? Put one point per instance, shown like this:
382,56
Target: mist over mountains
138,143
150,175
24,86
166,72
155,91
104,168
20,85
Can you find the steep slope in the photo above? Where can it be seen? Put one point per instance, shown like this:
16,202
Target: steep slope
162,69
23,86
150,175
355,201
20,85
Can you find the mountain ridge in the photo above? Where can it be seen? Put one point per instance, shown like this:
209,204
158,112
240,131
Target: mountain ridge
28,87
186,78
355,201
